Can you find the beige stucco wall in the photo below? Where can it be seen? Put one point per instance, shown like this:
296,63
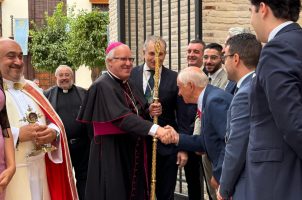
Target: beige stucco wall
79,5
17,8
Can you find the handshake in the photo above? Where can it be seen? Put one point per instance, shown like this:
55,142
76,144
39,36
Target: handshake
167,135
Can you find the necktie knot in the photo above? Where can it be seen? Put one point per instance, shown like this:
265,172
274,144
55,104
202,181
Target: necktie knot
152,72
150,86
236,90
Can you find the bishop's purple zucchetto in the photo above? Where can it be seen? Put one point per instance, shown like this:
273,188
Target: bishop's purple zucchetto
112,45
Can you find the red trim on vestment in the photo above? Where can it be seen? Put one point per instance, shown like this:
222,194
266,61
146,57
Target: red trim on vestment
59,176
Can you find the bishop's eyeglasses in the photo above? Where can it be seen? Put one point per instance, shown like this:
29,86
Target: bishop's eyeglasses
124,59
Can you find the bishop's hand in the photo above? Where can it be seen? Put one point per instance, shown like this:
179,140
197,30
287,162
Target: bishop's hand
167,135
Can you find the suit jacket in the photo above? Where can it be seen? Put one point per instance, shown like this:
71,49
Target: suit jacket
220,80
274,155
168,97
213,127
230,87
232,180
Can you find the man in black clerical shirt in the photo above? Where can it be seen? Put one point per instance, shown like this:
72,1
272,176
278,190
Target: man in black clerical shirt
66,99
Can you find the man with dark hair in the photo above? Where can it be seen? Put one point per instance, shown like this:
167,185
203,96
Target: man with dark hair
274,154
217,77
213,64
168,157
241,55
193,172
195,53
231,85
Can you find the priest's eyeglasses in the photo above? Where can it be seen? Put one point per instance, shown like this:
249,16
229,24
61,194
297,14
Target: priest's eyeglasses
124,59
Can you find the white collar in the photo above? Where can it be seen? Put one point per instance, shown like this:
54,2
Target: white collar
124,81
274,32
243,78
200,99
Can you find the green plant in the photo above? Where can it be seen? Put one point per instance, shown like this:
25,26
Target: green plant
87,39
48,43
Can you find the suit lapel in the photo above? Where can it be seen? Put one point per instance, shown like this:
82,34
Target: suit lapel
246,80
163,81
290,27
205,96
140,77
53,98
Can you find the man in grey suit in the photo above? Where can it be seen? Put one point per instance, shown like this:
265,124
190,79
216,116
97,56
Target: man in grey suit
274,154
241,55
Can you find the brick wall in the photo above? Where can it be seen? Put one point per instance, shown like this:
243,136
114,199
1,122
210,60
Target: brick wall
219,16
174,26
46,79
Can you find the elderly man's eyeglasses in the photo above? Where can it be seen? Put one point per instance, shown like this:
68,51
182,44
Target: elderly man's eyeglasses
223,58
124,59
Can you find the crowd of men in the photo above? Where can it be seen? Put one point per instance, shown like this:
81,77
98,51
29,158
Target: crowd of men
231,118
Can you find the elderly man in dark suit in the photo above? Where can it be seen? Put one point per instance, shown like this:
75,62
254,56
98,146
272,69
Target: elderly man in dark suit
168,157
241,55
212,103
66,99
274,155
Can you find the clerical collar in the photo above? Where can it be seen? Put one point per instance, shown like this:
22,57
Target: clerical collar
66,91
115,77
14,85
